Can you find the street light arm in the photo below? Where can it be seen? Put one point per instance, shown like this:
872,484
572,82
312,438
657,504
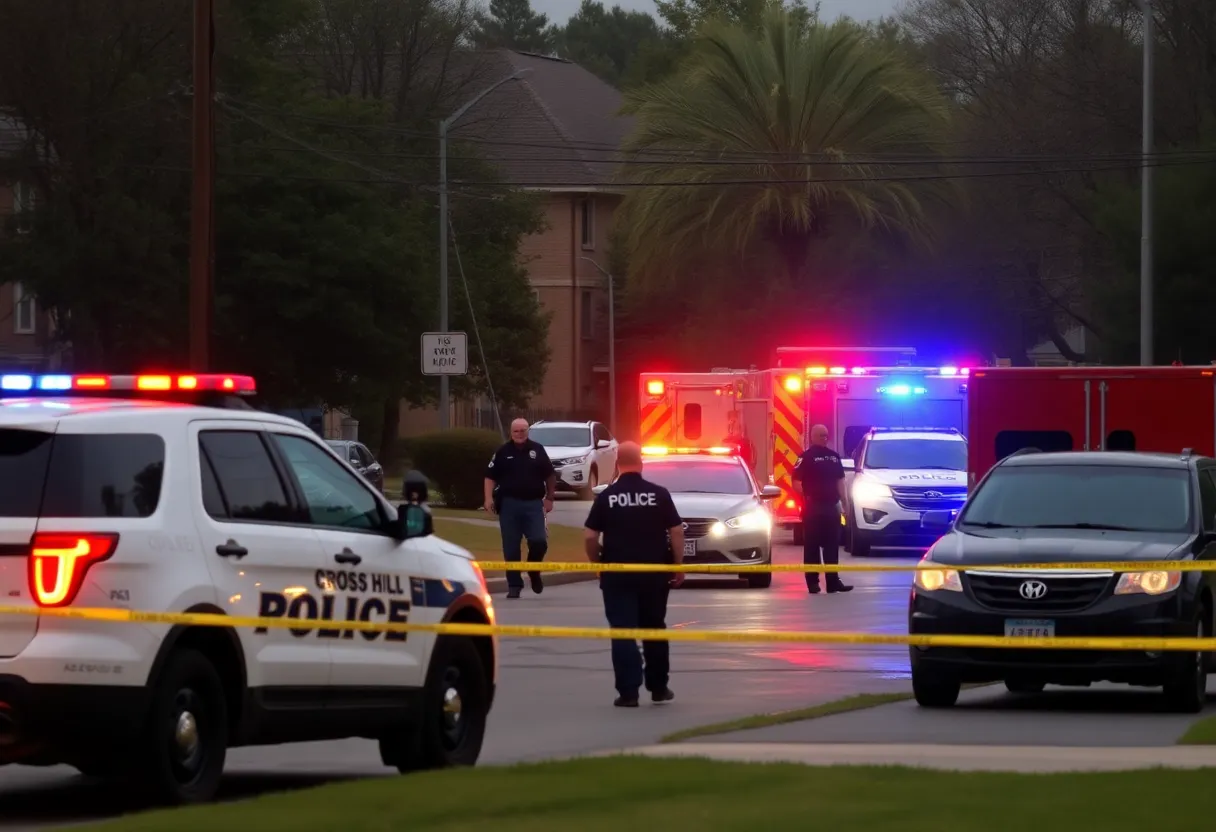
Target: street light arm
601,269
454,117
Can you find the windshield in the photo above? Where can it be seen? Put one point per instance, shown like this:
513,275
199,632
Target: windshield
1071,496
561,437
916,454
694,478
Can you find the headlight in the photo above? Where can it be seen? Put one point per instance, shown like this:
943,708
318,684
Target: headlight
1147,583
934,580
572,460
865,491
757,520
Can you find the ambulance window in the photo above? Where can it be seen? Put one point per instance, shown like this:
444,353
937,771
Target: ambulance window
1121,440
692,421
1010,441
852,438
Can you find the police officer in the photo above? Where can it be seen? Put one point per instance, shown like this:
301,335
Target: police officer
822,477
639,524
526,482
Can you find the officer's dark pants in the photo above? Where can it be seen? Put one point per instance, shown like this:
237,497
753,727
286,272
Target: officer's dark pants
821,544
522,519
637,601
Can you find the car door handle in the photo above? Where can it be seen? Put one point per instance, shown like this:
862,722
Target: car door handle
347,556
231,549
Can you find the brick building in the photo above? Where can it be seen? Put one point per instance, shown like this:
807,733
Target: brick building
554,131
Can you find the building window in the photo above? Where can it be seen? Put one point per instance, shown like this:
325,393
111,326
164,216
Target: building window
586,319
23,203
24,311
587,216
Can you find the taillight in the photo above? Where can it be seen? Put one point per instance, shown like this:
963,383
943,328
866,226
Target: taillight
59,562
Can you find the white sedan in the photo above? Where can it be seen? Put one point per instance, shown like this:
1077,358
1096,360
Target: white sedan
725,512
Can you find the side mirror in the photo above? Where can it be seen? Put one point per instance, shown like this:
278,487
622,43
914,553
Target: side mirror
599,489
603,443
770,492
414,487
937,521
413,521
847,463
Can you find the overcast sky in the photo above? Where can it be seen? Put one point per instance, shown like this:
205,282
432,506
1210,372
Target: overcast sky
560,10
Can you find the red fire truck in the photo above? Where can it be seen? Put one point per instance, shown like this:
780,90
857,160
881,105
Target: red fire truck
1161,409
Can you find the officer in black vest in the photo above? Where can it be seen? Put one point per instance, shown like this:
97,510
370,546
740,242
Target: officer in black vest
639,524
526,482
821,474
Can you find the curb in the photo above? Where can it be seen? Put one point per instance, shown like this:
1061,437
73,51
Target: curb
497,585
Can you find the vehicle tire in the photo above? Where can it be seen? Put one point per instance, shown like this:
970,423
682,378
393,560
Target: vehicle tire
455,708
1024,686
593,479
861,543
799,535
760,580
1186,689
181,754
933,689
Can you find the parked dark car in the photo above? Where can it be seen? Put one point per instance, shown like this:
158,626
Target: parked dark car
361,459
1084,507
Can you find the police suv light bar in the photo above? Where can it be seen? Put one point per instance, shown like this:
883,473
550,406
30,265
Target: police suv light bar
69,383
914,429
878,371
659,450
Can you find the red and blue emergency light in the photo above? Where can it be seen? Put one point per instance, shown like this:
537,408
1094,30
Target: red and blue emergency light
52,384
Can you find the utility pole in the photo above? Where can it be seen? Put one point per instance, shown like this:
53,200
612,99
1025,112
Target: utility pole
445,394
202,200
1146,193
611,344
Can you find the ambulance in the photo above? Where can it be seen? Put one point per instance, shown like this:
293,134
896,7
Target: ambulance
850,402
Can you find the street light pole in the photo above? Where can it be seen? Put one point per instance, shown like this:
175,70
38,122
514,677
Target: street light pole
611,342
445,394
202,189
1146,194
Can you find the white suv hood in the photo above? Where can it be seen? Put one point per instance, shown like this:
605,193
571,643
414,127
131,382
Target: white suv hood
557,452
904,478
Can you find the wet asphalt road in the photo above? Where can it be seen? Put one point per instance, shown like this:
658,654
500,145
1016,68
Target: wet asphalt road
555,696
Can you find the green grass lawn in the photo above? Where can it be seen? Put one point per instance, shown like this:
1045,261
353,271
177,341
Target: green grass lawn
607,795
1202,732
565,543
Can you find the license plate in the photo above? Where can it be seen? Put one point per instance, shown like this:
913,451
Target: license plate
1030,628
690,548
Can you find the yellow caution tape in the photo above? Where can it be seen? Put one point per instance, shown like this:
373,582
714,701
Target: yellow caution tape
732,569
1155,644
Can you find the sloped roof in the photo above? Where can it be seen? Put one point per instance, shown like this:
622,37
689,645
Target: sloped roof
557,126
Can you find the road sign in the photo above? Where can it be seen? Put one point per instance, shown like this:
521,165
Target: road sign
445,354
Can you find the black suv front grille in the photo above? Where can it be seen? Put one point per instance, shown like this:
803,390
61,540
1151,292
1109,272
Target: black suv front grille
1065,593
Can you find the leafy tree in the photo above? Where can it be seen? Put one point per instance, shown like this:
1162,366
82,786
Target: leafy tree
512,24
613,43
766,141
1184,266
685,16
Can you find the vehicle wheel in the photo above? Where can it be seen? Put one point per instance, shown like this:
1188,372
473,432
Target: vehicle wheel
1024,686
1186,690
799,535
760,580
861,543
455,706
185,741
933,689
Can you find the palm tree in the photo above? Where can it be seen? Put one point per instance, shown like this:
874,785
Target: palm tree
787,131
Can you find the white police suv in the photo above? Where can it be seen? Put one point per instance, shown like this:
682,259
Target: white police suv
898,475
170,494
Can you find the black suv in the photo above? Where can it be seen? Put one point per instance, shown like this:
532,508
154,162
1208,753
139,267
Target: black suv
1070,507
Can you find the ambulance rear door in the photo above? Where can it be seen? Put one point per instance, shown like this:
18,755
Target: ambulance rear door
756,419
702,413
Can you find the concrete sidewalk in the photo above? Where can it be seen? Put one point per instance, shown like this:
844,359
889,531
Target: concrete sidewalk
1026,759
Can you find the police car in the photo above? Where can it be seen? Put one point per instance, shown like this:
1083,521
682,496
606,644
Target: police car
171,494
898,475
725,511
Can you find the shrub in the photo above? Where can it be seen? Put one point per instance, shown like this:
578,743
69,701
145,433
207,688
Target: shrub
455,461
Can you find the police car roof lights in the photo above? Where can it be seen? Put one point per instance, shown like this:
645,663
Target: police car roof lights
78,383
661,450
